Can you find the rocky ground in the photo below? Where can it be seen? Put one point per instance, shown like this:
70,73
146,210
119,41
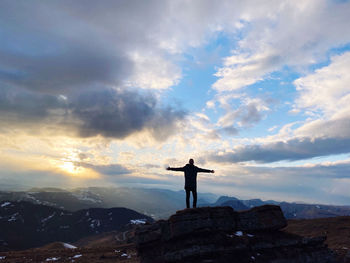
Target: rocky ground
222,235
107,247
336,230
55,253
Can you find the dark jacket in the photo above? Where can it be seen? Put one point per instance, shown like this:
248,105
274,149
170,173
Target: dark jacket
191,174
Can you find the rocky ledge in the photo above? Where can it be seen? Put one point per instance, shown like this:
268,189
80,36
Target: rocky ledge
220,235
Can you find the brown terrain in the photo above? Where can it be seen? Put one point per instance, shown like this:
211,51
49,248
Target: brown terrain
336,229
56,252
109,247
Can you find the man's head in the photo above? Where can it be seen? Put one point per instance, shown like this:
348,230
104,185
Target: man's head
191,161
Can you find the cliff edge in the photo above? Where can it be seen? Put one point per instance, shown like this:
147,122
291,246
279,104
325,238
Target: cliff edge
220,235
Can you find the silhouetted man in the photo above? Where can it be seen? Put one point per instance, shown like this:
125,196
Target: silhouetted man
191,180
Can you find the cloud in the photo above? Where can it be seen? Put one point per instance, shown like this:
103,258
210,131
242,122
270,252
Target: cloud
18,104
249,112
335,127
59,72
152,72
109,170
292,34
242,70
62,46
291,150
327,89
320,183
111,113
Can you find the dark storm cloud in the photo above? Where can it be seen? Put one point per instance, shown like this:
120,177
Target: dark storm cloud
112,113
62,71
291,150
118,113
17,105
56,55
57,46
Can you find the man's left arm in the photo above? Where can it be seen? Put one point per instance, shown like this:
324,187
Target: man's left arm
201,170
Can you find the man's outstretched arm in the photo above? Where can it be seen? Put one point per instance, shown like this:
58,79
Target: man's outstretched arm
180,169
201,170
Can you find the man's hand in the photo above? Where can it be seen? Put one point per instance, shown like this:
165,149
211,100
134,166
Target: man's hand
212,171
168,168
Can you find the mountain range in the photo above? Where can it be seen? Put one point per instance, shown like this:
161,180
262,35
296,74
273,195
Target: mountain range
24,224
158,203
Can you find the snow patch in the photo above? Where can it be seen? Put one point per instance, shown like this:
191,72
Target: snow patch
48,218
5,204
66,245
3,257
78,256
239,233
95,223
52,259
13,217
138,221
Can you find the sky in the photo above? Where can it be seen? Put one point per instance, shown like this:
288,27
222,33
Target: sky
110,93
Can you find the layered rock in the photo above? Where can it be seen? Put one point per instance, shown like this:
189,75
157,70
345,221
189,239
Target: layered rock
220,234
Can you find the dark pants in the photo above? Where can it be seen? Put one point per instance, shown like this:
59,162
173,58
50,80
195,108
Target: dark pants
194,194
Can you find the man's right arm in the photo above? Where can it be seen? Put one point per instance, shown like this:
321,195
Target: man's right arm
180,169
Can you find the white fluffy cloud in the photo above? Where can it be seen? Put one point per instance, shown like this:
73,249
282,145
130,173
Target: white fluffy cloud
326,92
242,70
294,34
327,89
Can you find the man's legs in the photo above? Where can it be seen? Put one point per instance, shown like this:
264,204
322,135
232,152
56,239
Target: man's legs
194,193
188,193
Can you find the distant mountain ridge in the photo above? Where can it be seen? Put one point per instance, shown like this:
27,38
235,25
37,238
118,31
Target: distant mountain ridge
24,224
158,203
290,210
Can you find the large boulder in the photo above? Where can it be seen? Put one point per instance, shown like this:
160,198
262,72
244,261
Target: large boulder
187,221
220,235
266,217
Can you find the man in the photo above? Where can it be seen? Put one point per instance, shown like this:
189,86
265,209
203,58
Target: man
191,180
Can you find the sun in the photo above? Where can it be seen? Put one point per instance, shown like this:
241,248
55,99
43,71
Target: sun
69,167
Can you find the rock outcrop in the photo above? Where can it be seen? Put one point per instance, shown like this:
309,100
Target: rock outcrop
220,235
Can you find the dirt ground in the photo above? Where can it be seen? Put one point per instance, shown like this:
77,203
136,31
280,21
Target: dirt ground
336,229
122,253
